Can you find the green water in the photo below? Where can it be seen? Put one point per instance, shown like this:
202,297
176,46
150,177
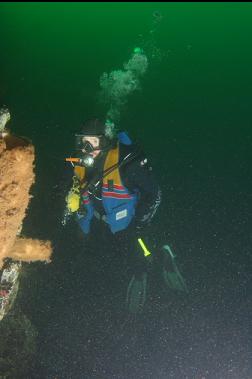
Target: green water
193,118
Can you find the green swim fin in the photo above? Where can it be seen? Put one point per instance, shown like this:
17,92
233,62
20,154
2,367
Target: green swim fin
171,275
136,293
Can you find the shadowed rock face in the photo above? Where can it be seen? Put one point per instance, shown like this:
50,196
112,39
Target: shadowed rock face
16,177
17,346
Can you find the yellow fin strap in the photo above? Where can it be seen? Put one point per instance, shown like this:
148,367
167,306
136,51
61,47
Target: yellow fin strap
145,250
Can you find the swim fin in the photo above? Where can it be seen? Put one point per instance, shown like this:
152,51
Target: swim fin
171,275
136,293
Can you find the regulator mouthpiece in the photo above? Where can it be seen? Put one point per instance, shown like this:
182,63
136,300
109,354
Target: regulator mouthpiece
88,160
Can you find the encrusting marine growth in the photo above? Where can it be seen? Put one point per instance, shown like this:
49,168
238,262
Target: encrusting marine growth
16,178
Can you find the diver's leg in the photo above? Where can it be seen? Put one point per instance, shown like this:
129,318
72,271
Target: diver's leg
139,258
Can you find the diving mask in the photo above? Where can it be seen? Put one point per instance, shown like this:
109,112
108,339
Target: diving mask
87,148
82,144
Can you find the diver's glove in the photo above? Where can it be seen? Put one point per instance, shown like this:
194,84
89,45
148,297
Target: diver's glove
143,222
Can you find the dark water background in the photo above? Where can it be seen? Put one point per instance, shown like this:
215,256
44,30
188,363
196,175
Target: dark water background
193,118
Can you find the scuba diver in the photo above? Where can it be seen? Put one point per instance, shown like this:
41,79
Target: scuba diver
114,183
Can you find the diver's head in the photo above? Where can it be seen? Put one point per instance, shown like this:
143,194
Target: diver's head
93,141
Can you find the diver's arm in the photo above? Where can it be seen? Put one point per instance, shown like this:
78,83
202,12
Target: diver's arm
139,176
